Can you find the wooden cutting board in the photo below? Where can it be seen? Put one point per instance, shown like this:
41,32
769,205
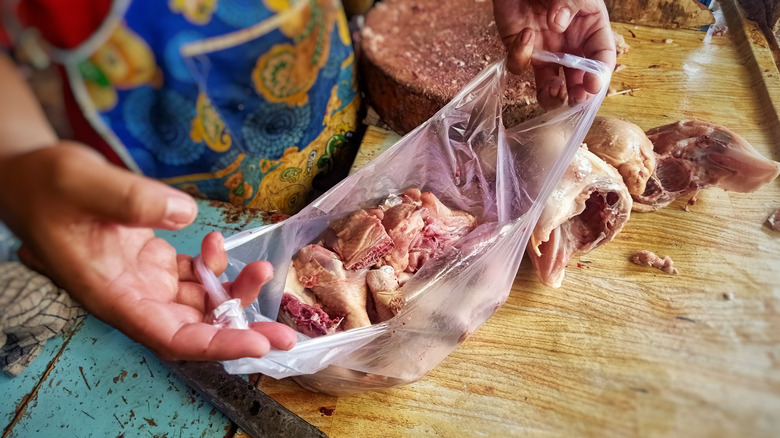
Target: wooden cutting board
622,350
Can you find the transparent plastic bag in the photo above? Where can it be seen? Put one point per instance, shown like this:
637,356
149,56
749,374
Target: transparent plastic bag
467,159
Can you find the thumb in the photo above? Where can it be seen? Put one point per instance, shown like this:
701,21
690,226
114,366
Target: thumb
520,50
117,194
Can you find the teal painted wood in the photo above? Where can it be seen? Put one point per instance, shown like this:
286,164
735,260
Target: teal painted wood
13,389
106,385
103,384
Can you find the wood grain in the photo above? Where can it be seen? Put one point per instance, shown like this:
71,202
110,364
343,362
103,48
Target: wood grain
621,350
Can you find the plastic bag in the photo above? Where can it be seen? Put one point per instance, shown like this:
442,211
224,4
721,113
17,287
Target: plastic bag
470,162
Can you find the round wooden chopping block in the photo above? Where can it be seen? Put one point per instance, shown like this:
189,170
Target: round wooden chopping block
415,55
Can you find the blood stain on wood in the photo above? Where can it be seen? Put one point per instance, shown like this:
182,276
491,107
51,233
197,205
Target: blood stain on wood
327,411
233,214
120,377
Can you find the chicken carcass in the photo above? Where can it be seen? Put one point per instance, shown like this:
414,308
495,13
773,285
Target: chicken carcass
626,147
692,155
342,292
588,207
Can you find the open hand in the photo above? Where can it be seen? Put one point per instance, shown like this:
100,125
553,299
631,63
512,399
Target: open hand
88,225
578,27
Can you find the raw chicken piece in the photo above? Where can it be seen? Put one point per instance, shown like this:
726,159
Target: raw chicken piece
404,224
382,279
693,155
443,227
342,292
384,287
647,258
456,223
626,147
588,208
403,277
308,319
300,311
412,196
293,287
360,239
329,289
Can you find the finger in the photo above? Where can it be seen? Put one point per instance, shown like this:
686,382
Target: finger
200,341
520,50
607,55
193,295
120,195
553,94
550,89
598,44
279,335
577,94
574,86
184,266
249,282
212,249
560,14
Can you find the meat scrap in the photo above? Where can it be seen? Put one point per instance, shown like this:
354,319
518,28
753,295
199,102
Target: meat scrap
647,258
774,220
620,43
352,276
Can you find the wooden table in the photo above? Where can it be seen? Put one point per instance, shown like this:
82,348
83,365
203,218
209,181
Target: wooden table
619,350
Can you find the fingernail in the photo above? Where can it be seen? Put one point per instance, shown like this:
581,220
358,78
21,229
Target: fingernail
563,17
180,210
554,91
527,33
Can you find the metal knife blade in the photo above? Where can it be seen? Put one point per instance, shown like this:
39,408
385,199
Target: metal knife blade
253,411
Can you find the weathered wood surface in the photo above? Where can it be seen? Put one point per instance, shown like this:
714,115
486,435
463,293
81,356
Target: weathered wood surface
686,14
622,350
